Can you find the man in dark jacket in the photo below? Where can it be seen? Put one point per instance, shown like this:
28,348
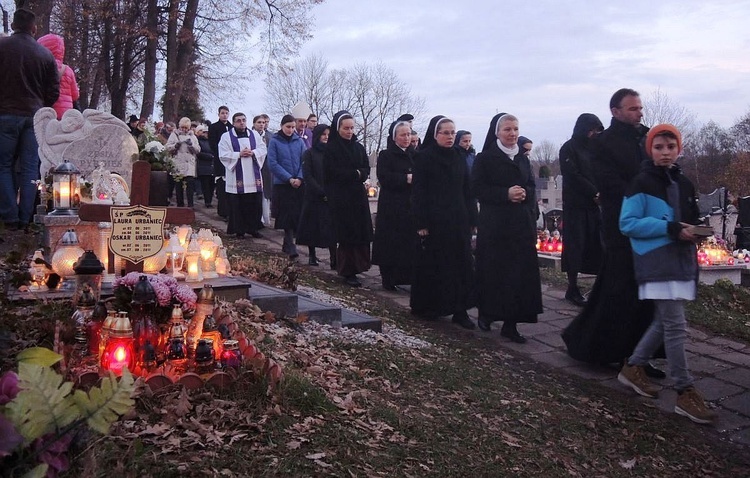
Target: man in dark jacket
581,224
613,319
30,81
215,132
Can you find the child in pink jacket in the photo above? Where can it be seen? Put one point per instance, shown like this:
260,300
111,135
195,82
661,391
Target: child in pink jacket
68,85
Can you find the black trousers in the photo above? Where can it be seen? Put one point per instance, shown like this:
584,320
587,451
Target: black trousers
187,185
243,213
222,203
207,187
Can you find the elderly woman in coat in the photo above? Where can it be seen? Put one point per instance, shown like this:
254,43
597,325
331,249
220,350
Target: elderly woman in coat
183,145
445,216
508,284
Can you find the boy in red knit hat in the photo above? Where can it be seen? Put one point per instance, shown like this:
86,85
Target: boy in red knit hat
659,214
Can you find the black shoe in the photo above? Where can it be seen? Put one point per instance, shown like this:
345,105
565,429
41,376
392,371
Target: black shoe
389,286
257,235
575,298
352,281
313,261
463,320
653,372
484,324
512,334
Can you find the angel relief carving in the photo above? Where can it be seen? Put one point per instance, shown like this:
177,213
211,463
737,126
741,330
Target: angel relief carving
54,136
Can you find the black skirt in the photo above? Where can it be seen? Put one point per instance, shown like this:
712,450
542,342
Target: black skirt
286,206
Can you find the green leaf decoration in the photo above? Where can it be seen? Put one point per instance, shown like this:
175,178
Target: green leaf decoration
39,356
102,406
43,405
39,471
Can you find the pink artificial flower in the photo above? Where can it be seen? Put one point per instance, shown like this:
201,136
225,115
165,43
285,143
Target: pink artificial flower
8,387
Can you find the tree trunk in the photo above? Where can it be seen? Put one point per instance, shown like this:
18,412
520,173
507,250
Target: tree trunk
149,75
180,49
43,11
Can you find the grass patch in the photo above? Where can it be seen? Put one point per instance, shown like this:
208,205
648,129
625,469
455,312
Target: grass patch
722,309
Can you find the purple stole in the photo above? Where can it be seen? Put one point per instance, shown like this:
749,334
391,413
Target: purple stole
238,169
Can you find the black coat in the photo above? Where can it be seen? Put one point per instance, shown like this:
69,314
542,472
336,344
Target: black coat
582,249
315,225
613,319
346,170
215,132
618,153
443,204
204,165
508,283
395,233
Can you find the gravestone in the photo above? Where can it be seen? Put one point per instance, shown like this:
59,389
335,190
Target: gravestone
85,139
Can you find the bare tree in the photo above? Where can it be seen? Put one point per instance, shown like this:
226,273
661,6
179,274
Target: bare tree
546,154
373,94
659,108
741,134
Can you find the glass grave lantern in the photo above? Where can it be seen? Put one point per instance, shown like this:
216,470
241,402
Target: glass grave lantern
39,272
211,332
184,233
193,258
66,194
208,258
120,350
175,257
82,317
143,307
88,269
65,257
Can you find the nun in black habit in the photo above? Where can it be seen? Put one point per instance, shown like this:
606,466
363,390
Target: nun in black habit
581,222
315,224
346,169
508,284
445,217
395,235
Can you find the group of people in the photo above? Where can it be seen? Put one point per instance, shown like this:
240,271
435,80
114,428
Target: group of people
623,184
629,213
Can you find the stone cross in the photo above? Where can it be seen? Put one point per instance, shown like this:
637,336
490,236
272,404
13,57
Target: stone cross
139,195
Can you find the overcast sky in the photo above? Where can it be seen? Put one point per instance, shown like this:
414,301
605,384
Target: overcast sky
544,61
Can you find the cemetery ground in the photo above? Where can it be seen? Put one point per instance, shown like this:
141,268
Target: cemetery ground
419,399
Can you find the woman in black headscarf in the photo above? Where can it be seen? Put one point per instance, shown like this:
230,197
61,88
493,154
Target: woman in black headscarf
346,169
508,284
315,224
395,237
445,217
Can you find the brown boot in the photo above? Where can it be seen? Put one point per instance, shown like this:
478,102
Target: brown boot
635,377
690,404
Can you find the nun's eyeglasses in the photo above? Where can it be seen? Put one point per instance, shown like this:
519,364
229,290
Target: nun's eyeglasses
448,133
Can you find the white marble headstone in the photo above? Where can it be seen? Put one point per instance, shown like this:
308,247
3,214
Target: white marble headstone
85,139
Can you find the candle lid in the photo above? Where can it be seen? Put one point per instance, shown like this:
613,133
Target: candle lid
121,328
206,295
66,167
88,263
143,292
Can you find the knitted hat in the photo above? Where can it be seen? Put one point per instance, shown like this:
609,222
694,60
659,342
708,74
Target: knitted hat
662,128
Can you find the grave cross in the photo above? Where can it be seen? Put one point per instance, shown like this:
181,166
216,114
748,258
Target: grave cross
139,196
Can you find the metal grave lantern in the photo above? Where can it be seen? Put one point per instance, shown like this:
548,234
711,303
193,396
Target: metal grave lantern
175,257
66,193
193,258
